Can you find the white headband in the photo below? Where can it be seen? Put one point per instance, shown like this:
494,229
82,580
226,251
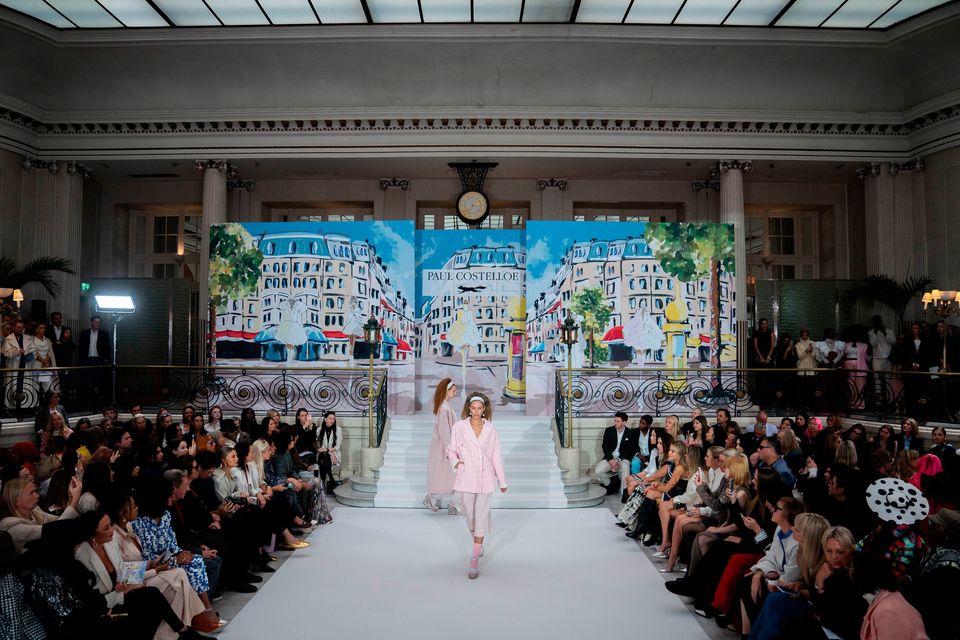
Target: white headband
478,399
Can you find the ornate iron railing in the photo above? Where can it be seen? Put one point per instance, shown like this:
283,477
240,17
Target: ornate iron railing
659,392
232,388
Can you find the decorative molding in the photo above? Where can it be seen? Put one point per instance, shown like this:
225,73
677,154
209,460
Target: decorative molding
202,165
913,166
560,183
472,174
37,164
871,169
78,169
700,185
401,183
246,185
725,166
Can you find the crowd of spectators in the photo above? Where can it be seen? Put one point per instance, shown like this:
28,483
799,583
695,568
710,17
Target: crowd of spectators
133,529
799,529
863,366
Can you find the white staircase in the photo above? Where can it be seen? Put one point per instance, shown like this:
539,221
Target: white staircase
529,460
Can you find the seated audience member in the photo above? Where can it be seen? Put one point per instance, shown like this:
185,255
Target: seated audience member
909,438
845,504
905,465
770,455
97,486
940,446
56,427
308,490
249,424
838,604
619,445
933,590
846,454
701,511
636,482
857,435
880,464
889,616
153,529
661,490
694,475
20,515
884,439
144,603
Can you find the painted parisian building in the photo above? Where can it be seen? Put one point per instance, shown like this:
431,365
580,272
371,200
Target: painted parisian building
488,312
328,275
631,279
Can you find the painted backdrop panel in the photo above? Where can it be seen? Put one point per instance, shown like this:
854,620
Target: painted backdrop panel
470,309
656,295
298,294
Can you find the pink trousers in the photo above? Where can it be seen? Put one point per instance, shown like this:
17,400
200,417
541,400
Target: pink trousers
476,507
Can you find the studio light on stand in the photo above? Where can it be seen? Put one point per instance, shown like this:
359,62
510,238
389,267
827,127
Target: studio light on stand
118,306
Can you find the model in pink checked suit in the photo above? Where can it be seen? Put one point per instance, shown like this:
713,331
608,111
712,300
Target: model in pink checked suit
474,453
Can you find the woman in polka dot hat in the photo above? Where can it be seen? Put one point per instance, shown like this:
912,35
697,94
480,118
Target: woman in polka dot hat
901,507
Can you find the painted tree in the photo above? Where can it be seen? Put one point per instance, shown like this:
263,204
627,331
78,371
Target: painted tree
235,269
690,252
589,304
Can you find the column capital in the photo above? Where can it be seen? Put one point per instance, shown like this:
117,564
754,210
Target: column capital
202,165
869,169
700,185
36,164
913,166
546,183
246,185
725,166
398,183
78,169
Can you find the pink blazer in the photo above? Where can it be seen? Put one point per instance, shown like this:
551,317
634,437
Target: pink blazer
482,469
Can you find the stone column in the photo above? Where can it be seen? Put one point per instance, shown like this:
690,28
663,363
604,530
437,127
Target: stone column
551,199
51,211
730,173
896,219
214,212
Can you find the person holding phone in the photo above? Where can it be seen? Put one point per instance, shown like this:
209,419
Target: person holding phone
474,454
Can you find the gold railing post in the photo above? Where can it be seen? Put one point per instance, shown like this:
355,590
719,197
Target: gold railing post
370,434
569,396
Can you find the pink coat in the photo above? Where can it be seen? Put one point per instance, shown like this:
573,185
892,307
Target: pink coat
440,476
482,469
890,617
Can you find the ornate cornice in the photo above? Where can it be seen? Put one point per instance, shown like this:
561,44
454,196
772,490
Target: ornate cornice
398,183
544,184
725,166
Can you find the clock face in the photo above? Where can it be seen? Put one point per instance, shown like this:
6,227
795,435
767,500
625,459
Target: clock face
472,206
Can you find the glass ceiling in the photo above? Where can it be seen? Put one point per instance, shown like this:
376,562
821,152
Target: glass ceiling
845,14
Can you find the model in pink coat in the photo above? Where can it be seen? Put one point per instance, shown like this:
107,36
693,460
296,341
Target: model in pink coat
440,476
474,453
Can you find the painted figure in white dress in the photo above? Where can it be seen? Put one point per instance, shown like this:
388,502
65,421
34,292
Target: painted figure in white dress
291,331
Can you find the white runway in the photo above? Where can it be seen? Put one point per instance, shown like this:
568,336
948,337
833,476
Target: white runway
401,573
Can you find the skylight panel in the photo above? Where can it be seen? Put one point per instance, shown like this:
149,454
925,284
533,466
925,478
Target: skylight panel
759,13
547,10
40,10
394,11
289,11
705,11
446,10
238,12
653,11
808,13
906,9
605,11
134,13
85,13
187,13
496,11
340,11
857,14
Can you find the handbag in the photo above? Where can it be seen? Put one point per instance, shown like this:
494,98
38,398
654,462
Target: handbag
636,464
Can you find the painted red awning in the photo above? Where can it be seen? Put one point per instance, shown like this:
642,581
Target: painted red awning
613,335
239,335
556,305
336,335
402,345
386,305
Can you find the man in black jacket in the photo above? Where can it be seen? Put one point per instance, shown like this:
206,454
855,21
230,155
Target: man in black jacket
619,446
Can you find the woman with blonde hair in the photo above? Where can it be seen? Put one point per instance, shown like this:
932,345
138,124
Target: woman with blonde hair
56,426
846,454
20,515
672,426
905,464
440,477
694,474
474,454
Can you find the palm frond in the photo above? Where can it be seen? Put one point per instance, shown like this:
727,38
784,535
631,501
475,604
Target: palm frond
40,270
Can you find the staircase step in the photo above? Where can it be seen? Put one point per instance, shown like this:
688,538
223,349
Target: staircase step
349,496
594,495
364,485
577,485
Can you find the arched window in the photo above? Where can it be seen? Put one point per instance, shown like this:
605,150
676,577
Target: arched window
293,247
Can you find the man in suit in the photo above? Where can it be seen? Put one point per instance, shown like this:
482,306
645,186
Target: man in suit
56,327
919,355
619,445
94,350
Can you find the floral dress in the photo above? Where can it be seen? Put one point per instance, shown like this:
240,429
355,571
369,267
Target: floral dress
280,467
158,538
